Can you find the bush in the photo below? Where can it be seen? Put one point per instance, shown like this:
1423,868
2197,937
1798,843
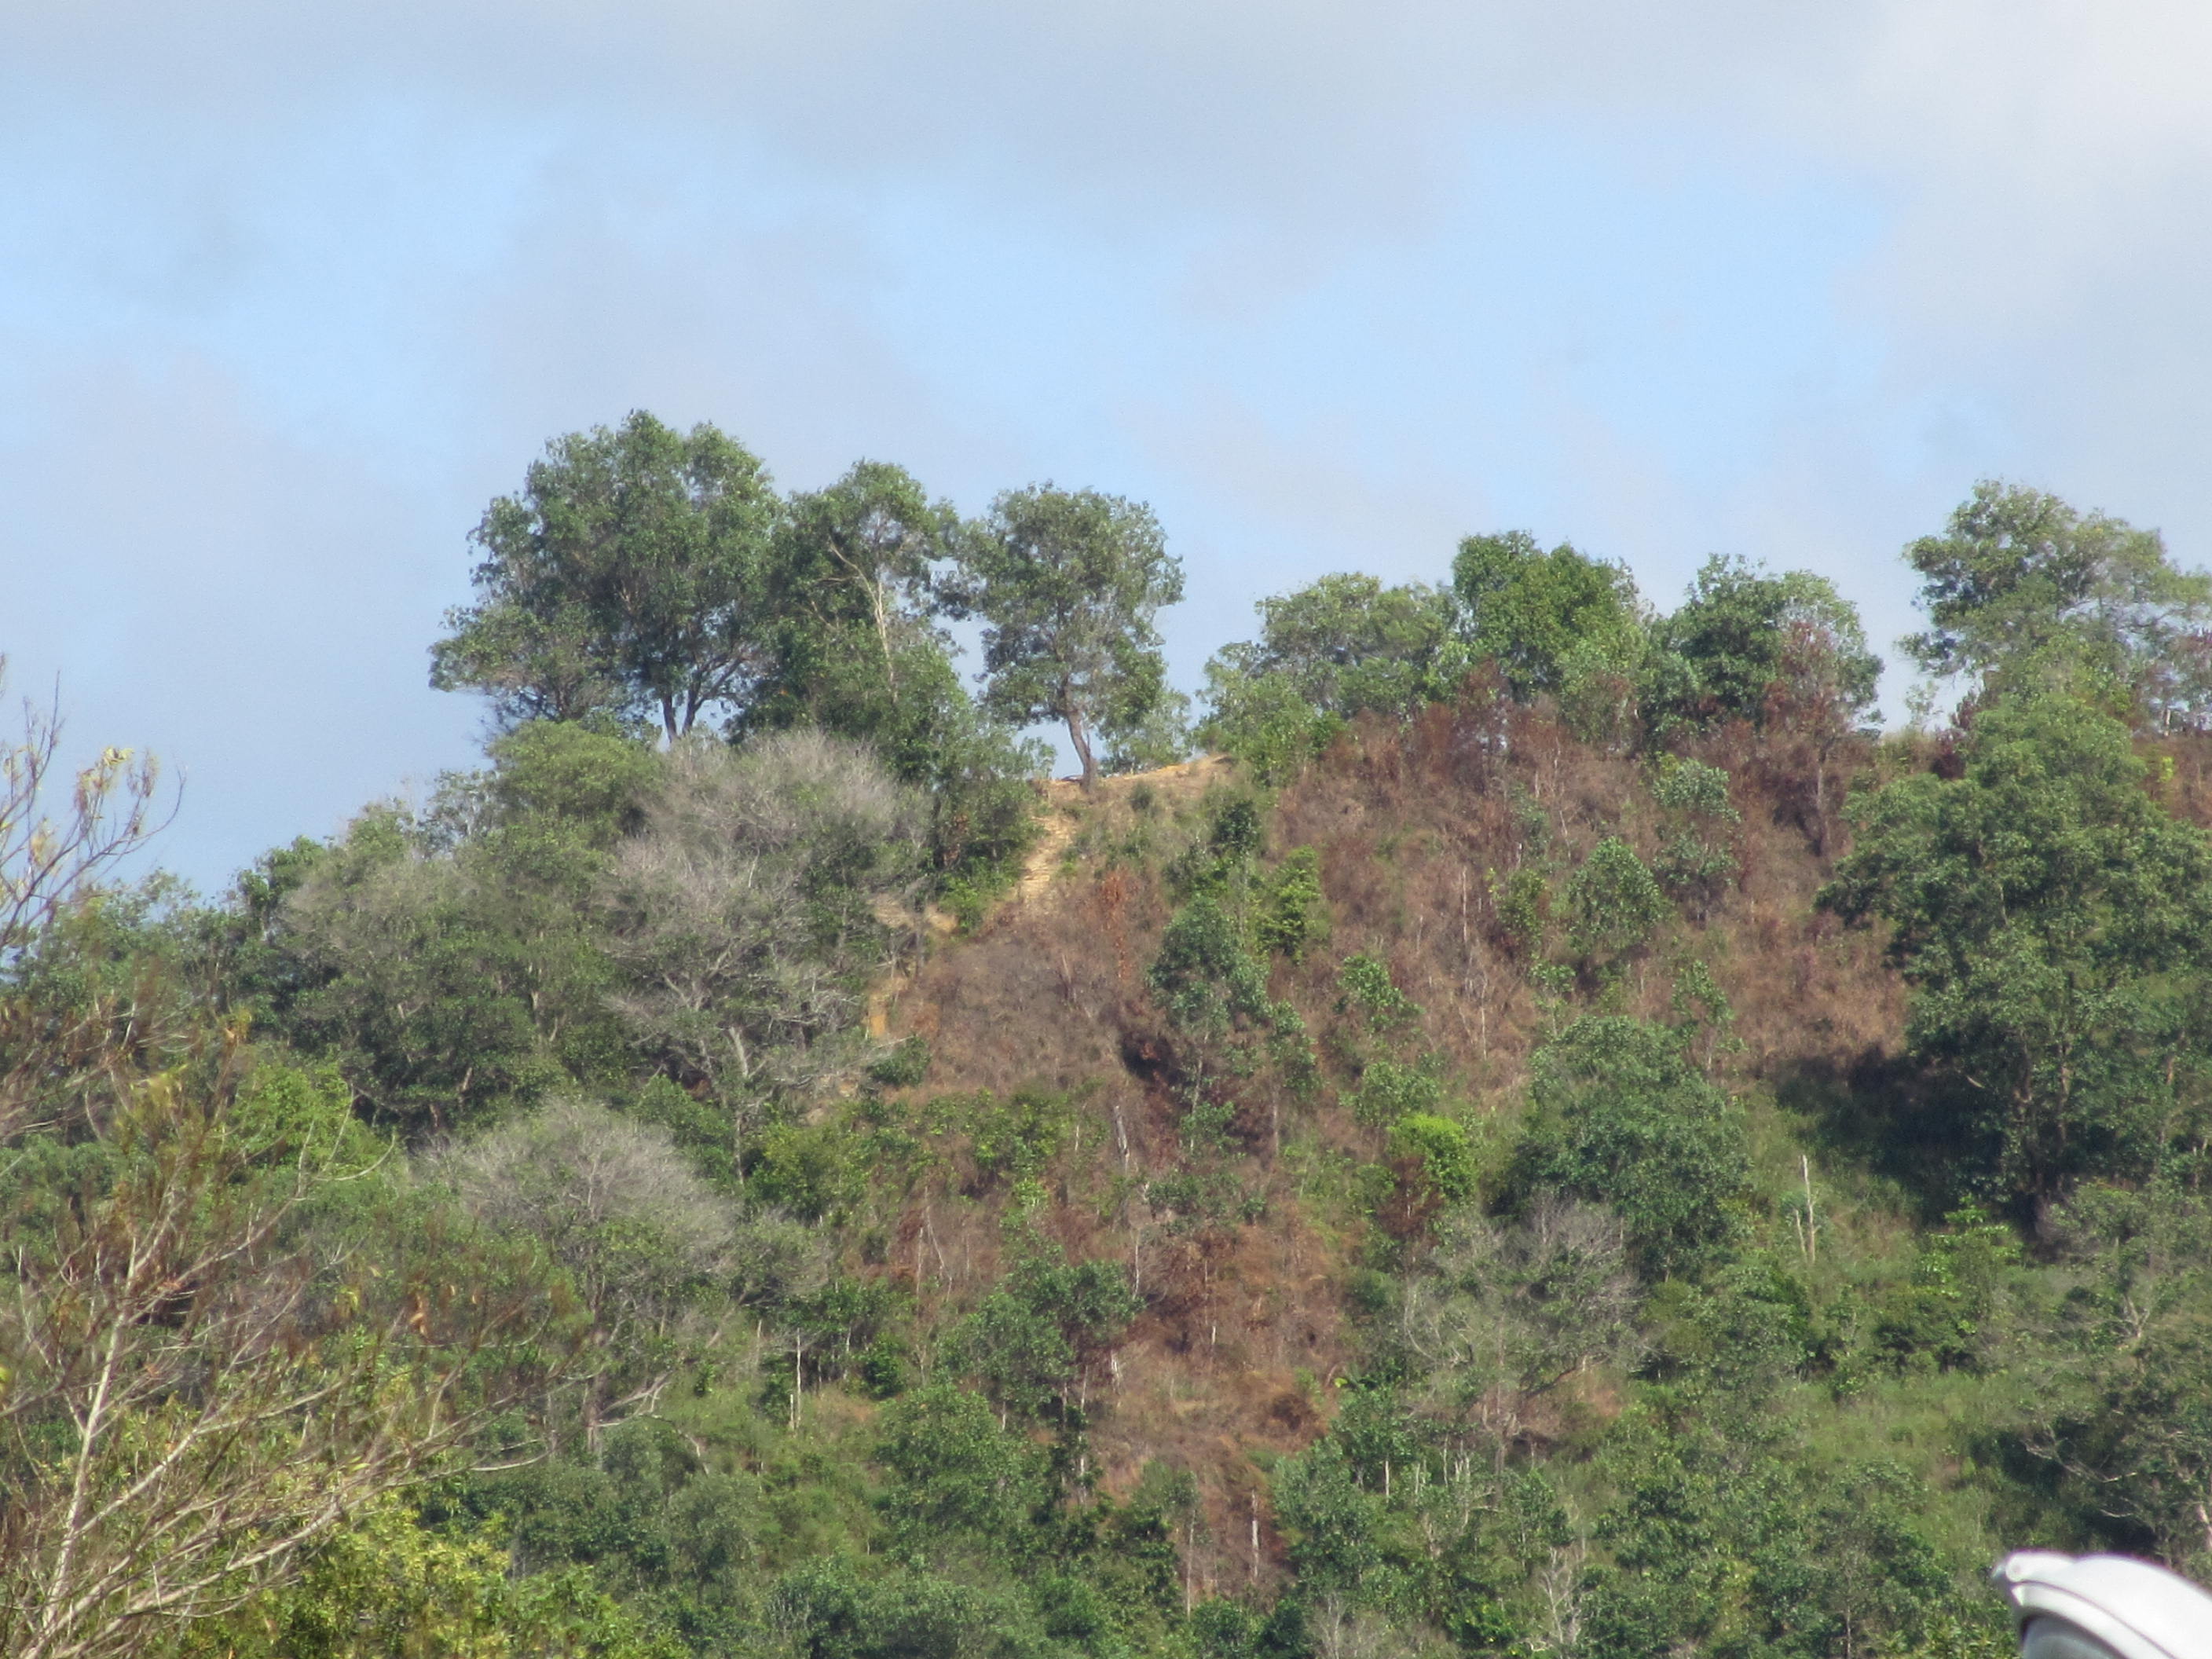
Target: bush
1367,986
1621,1118
1294,914
1446,1155
1614,904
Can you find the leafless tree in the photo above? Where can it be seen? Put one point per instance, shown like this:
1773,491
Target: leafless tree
647,1244
1510,1312
193,1394
746,912
53,852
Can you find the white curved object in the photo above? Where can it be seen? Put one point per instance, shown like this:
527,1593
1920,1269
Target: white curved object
2137,1610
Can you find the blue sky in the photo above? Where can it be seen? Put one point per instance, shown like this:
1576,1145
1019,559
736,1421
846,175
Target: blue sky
287,294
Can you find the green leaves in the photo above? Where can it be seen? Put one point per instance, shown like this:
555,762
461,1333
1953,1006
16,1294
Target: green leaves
2019,579
2051,919
1067,583
1624,1119
1204,975
1344,646
621,582
956,1475
1757,647
1529,611
1613,904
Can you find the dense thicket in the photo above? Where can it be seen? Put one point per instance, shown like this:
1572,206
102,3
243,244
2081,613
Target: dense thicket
1566,1141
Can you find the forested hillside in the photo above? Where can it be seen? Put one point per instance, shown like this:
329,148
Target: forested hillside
1531,1128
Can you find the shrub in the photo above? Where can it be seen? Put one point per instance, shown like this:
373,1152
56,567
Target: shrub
1614,904
1622,1118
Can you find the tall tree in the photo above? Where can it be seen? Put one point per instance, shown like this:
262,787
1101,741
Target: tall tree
2020,576
1528,608
854,648
197,1392
622,580
1757,646
1337,647
2051,919
1067,583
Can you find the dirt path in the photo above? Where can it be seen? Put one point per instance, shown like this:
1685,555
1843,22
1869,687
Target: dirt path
1065,808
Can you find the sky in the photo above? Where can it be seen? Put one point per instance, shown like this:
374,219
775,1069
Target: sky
288,293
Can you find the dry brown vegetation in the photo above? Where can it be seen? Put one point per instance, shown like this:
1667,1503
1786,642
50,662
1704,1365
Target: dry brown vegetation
1244,1332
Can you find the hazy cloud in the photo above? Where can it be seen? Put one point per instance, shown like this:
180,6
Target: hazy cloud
287,292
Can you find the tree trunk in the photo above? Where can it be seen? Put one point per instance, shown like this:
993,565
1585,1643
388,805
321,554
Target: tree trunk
1081,739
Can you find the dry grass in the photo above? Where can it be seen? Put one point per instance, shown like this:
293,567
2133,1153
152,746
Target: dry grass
1245,1325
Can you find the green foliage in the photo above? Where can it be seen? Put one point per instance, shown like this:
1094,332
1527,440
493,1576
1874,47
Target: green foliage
1330,1523
1613,904
1033,1341
1716,1551
1388,1090
1942,1318
2116,1408
823,1611
1521,900
1786,649
1067,584
1695,790
1294,911
1447,1157
620,583
811,1171
1205,976
388,1587
1696,860
1366,986
1693,1380
1344,646
1529,611
1621,1118
2050,916
955,1475
2021,579
905,1066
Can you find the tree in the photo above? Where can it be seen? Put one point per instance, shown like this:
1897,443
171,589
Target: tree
624,581
401,967
953,1469
1787,649
744,915
1614,904
1339,646
2115,1397
1067,583
2019,577
1622,1118
2051,919
1528,609
1507,1314
852,648
642,1239
196,1391
1033,1341
46,869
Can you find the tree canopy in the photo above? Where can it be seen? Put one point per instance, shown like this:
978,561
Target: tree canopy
2052,918
1487,1169
624,580
1067,583
2019,578
1528,609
